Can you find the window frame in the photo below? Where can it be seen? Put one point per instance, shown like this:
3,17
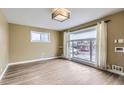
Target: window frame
91,61
42,41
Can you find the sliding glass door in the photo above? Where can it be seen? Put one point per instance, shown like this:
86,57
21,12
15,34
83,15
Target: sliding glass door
83,46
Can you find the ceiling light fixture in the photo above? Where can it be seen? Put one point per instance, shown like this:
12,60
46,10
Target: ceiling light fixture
60,14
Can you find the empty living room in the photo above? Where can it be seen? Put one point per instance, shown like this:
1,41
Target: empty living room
61,46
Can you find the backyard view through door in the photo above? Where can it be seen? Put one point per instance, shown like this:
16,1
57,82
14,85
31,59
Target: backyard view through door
83,45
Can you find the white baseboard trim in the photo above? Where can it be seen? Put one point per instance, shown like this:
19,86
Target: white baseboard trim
1,76
30,61
115,72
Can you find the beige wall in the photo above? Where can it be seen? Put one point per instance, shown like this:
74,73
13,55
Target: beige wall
115,31
21,49
3,42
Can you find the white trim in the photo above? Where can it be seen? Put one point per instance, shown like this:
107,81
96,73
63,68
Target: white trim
115,72
30,61
24,62
1,76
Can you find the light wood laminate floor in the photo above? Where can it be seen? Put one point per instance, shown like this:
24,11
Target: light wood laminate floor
58,71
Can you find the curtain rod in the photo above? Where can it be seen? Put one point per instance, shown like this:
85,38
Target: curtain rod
106,21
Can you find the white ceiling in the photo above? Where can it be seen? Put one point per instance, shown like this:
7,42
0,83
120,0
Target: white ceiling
41,17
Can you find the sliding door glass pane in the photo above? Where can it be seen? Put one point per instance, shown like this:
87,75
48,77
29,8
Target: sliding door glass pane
93,50
82,49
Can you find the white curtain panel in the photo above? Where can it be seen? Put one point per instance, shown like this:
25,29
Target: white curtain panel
66,45
101,46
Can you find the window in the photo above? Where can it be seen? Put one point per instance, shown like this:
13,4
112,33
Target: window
35,37
40,36
83,45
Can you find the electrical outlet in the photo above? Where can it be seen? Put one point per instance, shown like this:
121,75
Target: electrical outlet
120,41
117,68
